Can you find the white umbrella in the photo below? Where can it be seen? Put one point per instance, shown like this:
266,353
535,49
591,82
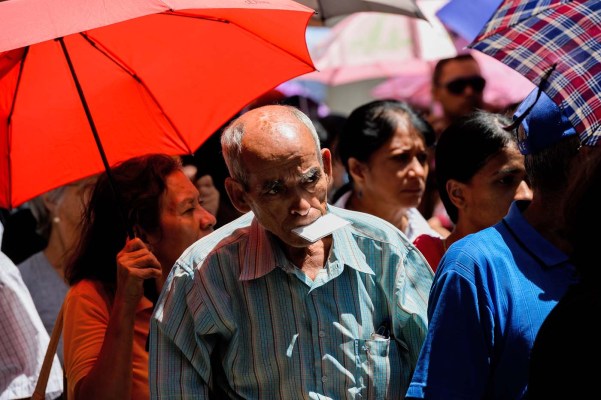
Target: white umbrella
378,45
329,12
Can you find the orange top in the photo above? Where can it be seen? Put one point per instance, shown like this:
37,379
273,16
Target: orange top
86,317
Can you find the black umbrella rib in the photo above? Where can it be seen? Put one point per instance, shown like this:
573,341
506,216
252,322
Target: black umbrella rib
119,63
21,66
321,15
10,117
107,167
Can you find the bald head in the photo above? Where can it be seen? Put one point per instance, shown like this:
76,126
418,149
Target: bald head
264,132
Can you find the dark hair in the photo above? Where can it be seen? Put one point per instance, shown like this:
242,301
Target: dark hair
549,168
371,125
333,125
441,63
581,212
465,146
140,182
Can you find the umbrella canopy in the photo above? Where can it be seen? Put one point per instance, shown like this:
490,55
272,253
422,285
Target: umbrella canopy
153,77
377,45
329,12
558,42
504,86
467,17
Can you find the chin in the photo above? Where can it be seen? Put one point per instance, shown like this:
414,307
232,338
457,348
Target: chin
293,240
411,200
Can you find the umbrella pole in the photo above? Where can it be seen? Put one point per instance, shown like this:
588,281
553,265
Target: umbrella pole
150,289
130,232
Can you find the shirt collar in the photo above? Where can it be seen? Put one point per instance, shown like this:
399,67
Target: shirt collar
346,250
530,239
264,253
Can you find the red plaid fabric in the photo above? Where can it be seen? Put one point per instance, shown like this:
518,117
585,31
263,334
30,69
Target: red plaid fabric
531,36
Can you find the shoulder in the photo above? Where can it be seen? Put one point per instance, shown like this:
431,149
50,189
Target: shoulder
88,291
426,241
34,266
369,225
477,251
418,225
32,261
431,247
213,244
378,242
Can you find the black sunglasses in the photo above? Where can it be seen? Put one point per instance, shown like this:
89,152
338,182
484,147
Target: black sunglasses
458,85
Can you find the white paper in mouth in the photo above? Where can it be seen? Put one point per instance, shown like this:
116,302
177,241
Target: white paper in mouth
322,227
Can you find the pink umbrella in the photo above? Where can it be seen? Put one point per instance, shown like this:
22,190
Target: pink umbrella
377,45
504,85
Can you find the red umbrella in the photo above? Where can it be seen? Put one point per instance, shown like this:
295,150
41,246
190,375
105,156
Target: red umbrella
142,75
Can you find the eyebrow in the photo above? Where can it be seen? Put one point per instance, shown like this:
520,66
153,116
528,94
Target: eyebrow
186,202
312,173
305,177
267,186
508,171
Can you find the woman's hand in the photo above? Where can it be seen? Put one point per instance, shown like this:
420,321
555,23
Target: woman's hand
135,263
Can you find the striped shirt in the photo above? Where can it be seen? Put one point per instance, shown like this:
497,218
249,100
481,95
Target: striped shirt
23,339
236,316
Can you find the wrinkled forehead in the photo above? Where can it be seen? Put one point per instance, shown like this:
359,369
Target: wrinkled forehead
285,157
263,132
269,139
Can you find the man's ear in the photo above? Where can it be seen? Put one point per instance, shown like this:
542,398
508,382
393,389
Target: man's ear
455,190
237,194
326,157
356,169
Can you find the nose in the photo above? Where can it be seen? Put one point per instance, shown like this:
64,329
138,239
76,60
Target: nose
469,90
523,192
207,220
299,204
417,168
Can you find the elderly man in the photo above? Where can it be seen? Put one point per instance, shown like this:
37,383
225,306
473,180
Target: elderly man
277,305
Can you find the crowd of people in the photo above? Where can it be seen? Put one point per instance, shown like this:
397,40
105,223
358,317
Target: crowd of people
305,264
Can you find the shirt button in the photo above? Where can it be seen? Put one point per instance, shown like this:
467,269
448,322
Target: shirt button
324,379
322,334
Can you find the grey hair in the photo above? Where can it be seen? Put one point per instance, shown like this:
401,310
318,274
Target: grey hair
231,139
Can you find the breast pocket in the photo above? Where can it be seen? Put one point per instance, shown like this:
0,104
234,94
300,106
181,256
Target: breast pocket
380,371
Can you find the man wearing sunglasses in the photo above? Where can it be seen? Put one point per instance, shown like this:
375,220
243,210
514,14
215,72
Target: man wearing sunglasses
457,85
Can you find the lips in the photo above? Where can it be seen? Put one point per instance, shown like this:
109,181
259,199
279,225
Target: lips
308,222
413,191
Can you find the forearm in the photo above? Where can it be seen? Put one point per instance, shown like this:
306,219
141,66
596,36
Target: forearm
111,376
